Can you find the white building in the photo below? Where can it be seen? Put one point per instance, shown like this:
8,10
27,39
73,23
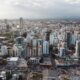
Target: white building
77,53
45,47
4,50
54,39
13,61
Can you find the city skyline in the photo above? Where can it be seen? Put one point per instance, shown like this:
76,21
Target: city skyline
35,9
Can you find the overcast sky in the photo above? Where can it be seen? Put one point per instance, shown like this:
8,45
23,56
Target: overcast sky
39,8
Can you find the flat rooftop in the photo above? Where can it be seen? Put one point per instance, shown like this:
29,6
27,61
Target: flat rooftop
13,59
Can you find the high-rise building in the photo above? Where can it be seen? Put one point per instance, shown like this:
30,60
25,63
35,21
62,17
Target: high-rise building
37,47
21,24
7,25
29,50
19,40
45,48
20,48
68,37
53,39
34,47
77,53
40,43
4,50
62,52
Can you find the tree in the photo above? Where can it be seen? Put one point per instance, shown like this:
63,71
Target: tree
24,34
20,77
37,76
8,76
41,60
0,78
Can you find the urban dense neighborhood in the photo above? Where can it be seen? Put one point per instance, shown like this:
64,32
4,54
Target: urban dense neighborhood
40,49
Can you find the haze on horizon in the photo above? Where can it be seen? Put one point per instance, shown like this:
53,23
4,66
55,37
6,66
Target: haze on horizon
39,9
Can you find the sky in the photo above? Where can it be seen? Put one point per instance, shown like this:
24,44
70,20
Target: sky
35,9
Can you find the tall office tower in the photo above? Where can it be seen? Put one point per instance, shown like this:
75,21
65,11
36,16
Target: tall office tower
37,47
21,24
77,53
29,39
34,47
29,50
20,47
19,40
7,25
62,52
40,43
68,39
53,39
4,50
71,39
45,48
62,49
76,34
48,35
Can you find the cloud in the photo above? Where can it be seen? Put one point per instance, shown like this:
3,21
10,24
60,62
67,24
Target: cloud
26,8
73,1
39,8
29,3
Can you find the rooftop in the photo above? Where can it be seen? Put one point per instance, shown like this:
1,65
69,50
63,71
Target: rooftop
13,59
